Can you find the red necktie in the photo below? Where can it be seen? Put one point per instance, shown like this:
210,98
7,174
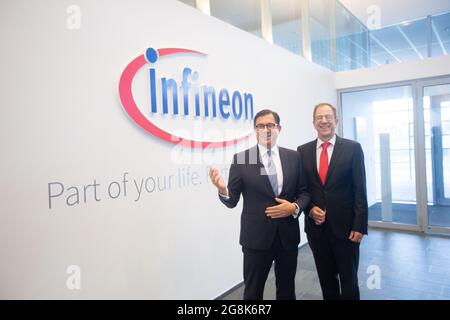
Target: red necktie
323,165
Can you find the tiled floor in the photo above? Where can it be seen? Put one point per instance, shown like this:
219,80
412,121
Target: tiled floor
411,265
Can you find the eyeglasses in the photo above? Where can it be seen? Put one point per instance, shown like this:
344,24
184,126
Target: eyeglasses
269,126
327,117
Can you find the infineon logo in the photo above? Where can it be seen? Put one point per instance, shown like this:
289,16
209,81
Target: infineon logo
182,99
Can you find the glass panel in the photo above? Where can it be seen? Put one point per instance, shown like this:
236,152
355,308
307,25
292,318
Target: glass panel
409,40
339,41
245,15
436,104
415,34
319,25
389,42
441,34
381,120
287,24
351,41
401,42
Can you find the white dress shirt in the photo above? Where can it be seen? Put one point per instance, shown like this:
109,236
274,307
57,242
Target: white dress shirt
330,149
275,154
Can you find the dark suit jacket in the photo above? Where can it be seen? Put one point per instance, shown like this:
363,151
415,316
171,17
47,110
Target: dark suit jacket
247,177
344,195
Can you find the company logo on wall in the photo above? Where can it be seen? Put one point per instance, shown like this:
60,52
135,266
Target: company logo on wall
166,103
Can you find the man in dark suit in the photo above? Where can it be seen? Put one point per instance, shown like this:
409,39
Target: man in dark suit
336,218
272,186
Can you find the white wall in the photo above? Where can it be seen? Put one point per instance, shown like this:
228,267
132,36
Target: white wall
62,121
410,70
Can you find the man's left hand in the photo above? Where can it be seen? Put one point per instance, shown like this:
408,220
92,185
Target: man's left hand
282,210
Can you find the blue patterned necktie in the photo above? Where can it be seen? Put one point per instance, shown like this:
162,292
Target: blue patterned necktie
272,173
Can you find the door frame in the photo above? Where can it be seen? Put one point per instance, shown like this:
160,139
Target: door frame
420,86
417,90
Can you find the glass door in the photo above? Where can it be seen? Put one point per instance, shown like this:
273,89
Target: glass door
382,120
436,109
404,130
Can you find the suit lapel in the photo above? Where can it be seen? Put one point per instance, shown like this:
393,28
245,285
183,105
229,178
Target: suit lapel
314,160
337,150
284,167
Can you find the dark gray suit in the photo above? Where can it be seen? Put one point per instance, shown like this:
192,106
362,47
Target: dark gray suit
344,198
265,239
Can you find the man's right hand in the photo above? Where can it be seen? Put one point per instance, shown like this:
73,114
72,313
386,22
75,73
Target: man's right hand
318,215
217,180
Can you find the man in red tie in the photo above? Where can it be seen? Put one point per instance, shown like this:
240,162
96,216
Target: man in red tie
336,219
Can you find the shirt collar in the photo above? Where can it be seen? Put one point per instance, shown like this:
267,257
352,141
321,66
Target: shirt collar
332,141
263,150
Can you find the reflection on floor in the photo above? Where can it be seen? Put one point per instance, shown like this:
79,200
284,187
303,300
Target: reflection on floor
411,265
406,213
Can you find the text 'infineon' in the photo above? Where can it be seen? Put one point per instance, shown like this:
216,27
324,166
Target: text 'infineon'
182,97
